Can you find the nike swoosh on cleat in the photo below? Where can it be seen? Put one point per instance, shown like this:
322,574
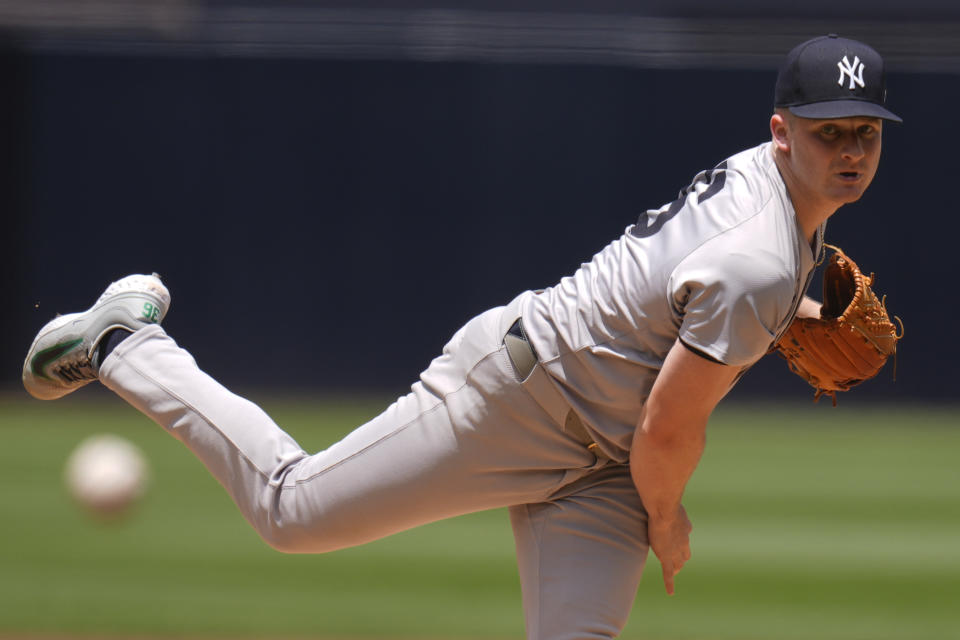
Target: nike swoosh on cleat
39,362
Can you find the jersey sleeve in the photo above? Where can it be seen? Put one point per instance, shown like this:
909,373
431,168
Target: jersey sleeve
731,303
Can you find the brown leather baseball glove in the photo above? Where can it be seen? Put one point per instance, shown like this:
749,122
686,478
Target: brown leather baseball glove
850,341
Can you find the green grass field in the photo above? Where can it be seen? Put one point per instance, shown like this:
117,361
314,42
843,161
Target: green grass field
803,530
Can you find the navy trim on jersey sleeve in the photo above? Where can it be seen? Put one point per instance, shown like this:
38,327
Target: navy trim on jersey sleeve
702,354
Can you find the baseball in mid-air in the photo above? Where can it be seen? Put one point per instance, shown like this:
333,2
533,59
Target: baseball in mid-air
107,474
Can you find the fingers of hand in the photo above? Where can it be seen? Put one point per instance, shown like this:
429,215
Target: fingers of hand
671,568
668,574
671,544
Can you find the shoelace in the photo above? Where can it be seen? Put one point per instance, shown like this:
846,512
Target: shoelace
77,371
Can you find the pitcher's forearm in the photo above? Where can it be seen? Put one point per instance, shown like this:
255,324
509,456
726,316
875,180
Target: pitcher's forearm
809,308
661,465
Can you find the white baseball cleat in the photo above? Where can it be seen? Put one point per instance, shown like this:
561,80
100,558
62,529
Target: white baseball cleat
63,356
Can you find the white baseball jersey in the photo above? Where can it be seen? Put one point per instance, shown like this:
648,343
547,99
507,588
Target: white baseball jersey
724,268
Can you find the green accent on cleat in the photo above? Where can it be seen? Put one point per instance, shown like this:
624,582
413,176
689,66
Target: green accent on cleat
40,361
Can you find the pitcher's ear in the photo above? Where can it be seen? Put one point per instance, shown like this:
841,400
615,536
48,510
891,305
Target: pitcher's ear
780,131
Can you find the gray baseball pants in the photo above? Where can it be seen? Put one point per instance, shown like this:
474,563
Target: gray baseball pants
469,436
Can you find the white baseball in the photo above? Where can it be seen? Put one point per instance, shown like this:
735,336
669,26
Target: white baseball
106,474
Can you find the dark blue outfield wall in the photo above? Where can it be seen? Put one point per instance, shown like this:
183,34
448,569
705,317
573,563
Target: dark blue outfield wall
328,224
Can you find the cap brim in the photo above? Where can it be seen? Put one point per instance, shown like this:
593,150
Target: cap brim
843,109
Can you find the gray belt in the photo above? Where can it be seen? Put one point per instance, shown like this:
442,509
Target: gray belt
524,359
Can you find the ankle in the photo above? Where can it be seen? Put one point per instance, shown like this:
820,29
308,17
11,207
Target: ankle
109,342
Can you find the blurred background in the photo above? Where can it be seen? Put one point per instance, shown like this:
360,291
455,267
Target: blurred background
331,189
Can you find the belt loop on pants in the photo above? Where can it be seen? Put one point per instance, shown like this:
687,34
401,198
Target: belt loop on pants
524,359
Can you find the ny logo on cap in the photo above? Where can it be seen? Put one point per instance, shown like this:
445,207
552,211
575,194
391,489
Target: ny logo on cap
847,69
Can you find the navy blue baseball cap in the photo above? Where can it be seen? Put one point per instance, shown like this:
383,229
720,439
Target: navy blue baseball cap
833,77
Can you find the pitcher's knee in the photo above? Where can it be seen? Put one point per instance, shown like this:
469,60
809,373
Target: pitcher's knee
290,526
295,538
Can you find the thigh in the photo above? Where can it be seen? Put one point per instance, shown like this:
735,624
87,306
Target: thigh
581,555
467,437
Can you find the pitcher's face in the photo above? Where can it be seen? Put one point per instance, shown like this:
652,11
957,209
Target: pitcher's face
834,160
